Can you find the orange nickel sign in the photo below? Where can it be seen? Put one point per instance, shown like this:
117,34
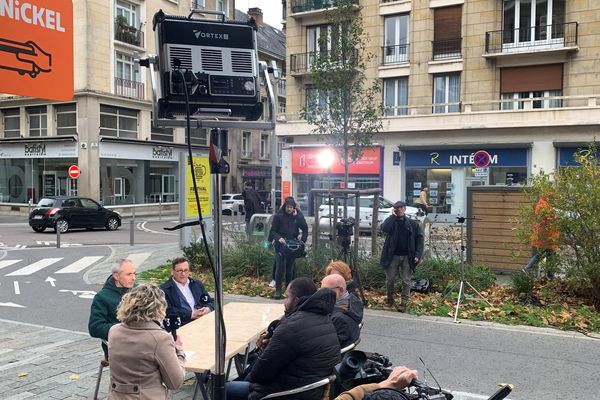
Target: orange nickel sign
36,48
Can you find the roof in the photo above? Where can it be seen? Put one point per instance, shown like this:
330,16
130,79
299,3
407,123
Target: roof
270,40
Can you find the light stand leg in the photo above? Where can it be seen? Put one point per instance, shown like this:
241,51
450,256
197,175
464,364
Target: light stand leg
460,293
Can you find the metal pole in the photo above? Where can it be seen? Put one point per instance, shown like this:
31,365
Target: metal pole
271,93
160,206
57,237
131,231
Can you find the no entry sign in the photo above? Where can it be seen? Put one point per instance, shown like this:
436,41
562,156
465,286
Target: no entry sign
74,171
482,159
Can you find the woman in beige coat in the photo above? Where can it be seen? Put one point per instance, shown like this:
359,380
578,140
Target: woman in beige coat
145,361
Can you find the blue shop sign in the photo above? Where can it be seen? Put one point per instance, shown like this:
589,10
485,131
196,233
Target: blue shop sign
566,156
464,158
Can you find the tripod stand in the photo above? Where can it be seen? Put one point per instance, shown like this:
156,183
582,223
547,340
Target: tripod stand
463,281
348,258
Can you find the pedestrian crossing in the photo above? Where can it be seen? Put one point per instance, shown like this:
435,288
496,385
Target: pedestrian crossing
59,265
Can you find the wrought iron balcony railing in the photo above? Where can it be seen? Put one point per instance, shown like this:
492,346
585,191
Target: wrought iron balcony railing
303,62
540,37
129,34
127,88
299,6
445,49
396,54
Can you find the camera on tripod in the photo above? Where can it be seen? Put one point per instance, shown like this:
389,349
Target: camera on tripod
344,230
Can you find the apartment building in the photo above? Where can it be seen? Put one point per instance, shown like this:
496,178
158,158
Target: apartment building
517,79
106,128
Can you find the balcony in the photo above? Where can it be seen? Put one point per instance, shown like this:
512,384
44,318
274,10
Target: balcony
302,6
446,49
536,39
397,54
127,88
301,63
246,154
128,34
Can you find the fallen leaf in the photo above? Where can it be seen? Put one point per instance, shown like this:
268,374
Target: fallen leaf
74,377
21,374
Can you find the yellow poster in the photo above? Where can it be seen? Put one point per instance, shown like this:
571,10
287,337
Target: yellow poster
202,172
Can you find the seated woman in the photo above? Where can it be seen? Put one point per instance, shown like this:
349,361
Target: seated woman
145,361
341,268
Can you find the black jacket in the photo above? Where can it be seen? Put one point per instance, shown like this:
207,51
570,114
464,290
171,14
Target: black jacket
303,349
391,228
346,316
175,306
288,226
252,203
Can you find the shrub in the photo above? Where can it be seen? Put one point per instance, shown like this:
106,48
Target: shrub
247,258
440,272
196,254
522,282
480,276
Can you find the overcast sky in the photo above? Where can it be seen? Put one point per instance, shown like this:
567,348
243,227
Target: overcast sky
271,10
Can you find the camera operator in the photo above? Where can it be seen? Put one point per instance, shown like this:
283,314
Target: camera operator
287,224
399,378
402,250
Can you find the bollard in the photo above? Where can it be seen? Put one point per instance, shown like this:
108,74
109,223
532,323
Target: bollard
160,207
131,223
57,237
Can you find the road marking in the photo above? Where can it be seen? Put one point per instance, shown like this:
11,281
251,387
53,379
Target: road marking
51,280
35,267
15,305
469,396
79,265
17,289
7,263
138,258
142,227
82,294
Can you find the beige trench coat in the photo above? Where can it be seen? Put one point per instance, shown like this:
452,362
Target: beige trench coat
144,362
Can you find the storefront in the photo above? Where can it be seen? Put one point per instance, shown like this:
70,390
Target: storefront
448,172
567,152
138,173
258,177
309,172
32,169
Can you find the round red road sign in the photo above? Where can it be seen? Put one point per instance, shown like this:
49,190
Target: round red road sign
481,159
74,171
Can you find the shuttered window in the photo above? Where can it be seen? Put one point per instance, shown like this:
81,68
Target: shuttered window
447,32
531,78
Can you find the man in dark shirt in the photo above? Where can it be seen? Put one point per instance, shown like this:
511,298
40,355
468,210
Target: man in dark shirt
348,311
402,250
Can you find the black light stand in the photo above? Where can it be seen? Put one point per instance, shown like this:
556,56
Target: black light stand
463,281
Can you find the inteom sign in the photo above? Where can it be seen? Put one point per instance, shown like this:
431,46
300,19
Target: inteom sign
36,48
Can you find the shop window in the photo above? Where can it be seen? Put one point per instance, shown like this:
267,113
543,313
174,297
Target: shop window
395,96
66,119
246,153
118,122
396,39
446,93
38,121
12,122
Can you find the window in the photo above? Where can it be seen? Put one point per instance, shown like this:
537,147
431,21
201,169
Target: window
280,144
447,32
119,122
127,12
544,99
395,95
281,107
161,134
88,203
542,82
12,122
446,93
531,21
126,68
38,121
66,119
222,6
197,4
264,146
198,137
314,44
317,102
246,145
396,39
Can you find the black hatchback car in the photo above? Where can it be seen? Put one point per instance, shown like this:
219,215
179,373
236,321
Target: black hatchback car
65,213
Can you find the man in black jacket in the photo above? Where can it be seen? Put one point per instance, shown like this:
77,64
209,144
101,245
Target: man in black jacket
252,205
402,250
287,224
303,348
348,311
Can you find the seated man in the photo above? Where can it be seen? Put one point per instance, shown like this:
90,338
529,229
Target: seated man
303,347
103,312
186,297
348,310
400,378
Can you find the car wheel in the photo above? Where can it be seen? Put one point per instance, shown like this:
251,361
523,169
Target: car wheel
62,225
112,224
38,228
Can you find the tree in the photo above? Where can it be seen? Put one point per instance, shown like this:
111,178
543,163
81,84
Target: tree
344,108
574,192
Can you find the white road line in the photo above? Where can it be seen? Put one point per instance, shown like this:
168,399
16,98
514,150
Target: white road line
79,265
17,289
35,267
138,258
7,263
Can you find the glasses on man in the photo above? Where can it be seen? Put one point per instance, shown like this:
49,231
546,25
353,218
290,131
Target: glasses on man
182,271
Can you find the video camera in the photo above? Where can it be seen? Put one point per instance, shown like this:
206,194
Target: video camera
344,230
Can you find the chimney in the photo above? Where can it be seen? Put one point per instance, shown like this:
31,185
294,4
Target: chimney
257,14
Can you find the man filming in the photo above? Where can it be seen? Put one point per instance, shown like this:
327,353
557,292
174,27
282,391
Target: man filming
402,251
399,378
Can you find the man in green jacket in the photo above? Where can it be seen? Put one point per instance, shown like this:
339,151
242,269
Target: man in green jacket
103,313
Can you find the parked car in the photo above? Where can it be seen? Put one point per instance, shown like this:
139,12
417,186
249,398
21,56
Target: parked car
231,204
365,212
64,213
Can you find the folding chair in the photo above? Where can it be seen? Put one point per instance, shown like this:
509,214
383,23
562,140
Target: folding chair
325,382
103,364
351,346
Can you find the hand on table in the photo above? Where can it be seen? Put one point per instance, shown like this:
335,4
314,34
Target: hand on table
200,312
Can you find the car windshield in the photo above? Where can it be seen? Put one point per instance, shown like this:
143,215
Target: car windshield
46,203
225,197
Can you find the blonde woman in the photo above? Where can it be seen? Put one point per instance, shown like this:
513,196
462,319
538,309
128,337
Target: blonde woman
144,360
